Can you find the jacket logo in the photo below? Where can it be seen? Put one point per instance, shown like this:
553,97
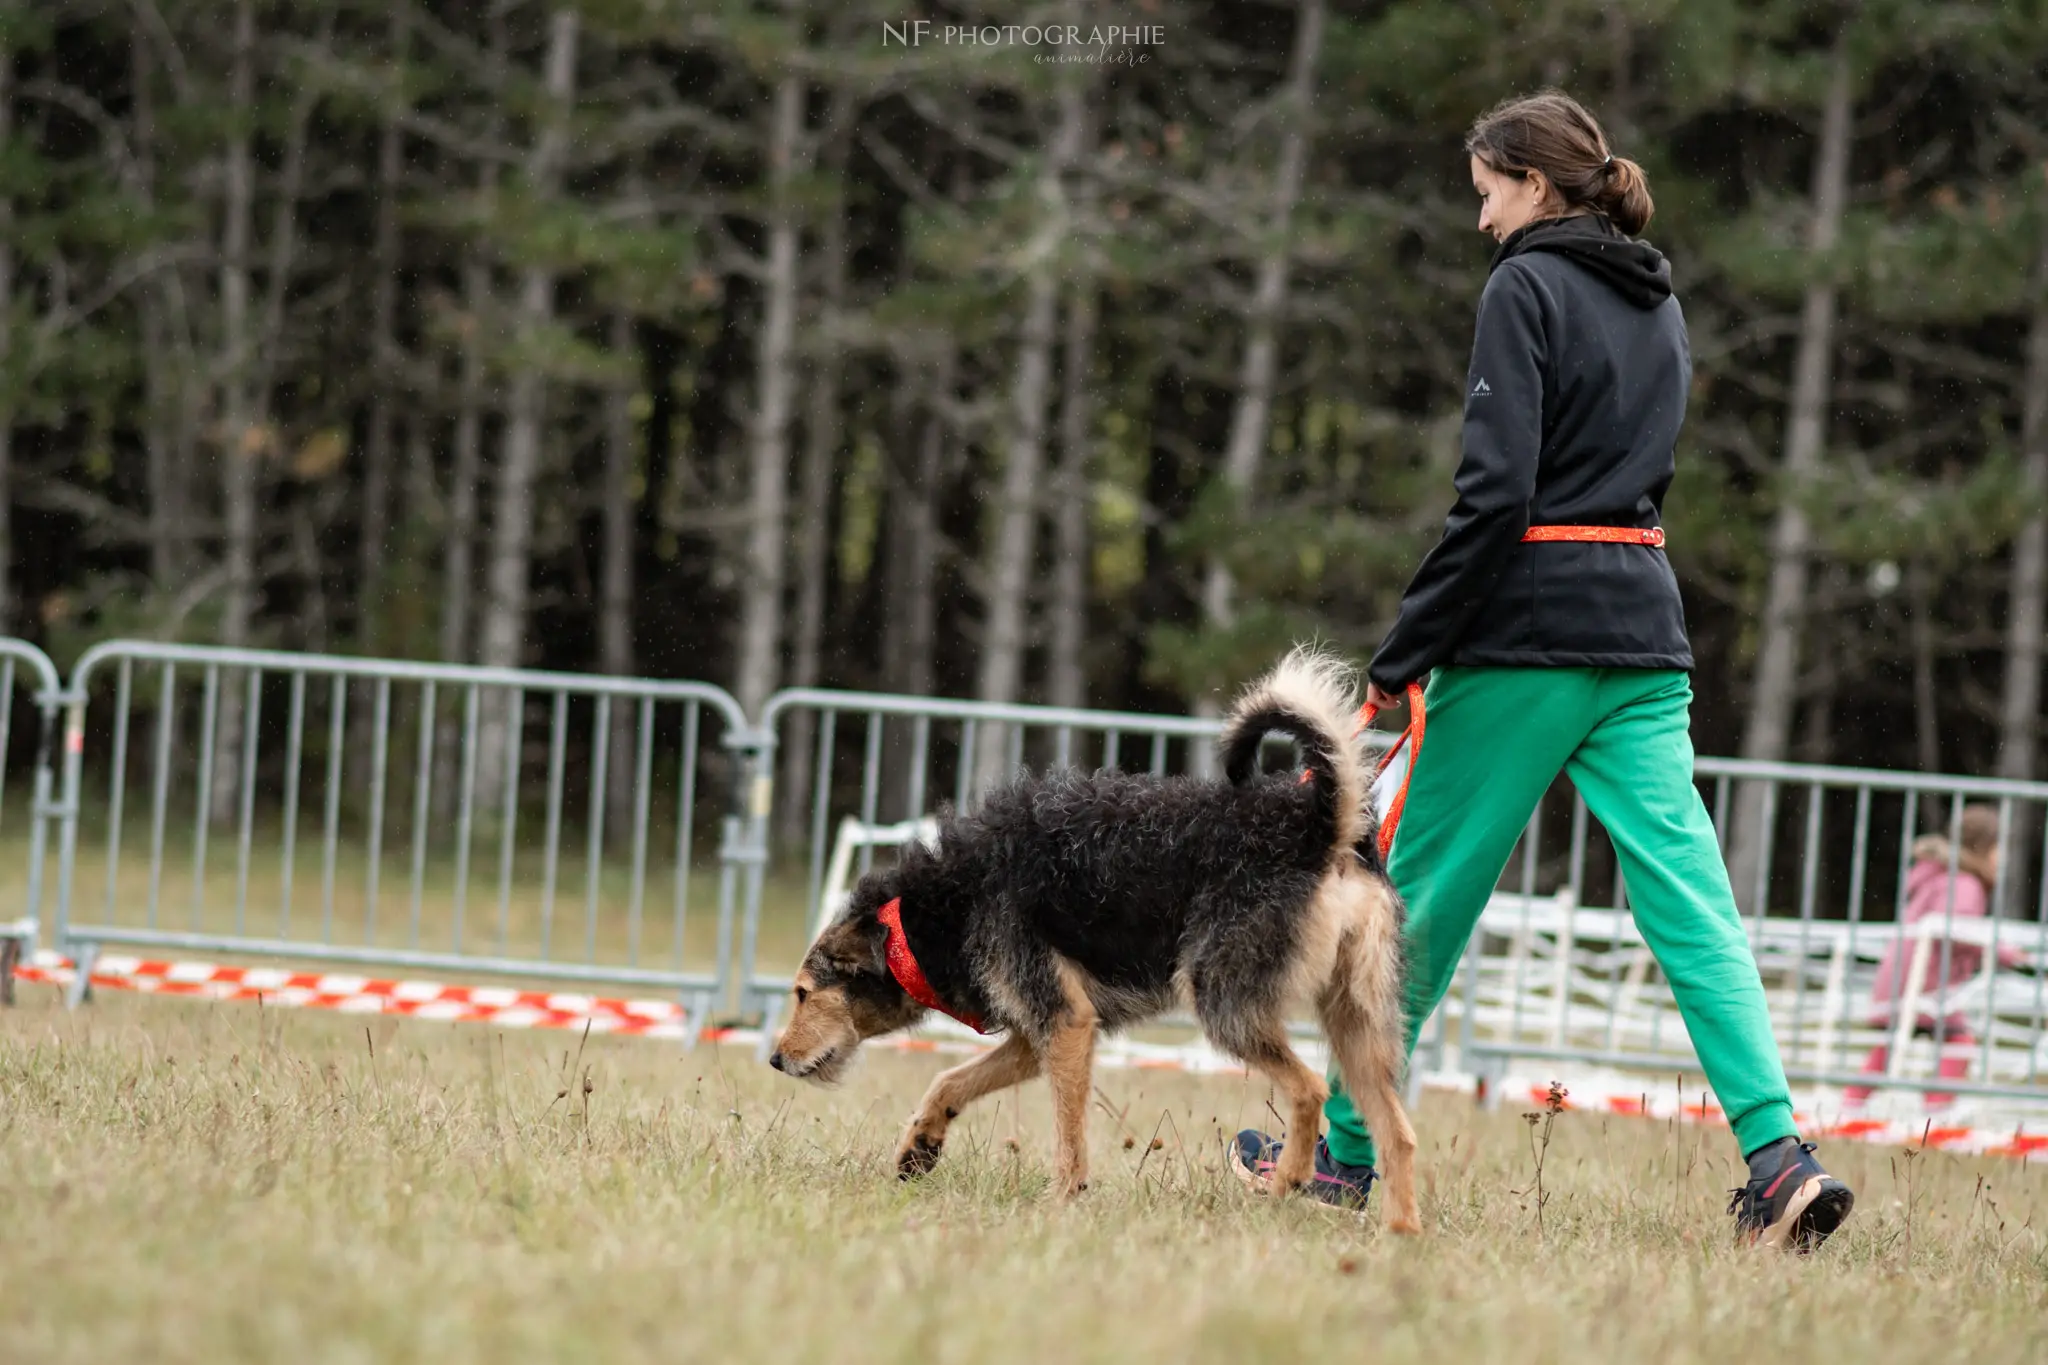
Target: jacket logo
1480,390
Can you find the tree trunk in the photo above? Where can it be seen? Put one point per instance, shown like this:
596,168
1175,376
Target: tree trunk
252,371
1817,742
910,638
1066,672
909,630
815,485
2020,706
377,453
1013,552
1251,419
615,593
7,603
1926,697
502,637
241,440
760,645
459,530
165,452
458,570
1774,688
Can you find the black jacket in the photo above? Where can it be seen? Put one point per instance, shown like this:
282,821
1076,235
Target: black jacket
1580,368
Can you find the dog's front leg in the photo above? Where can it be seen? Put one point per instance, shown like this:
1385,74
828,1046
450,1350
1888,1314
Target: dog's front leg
1011,1063
1069,1066
1069,1057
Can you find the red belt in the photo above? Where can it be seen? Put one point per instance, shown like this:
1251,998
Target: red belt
1652,536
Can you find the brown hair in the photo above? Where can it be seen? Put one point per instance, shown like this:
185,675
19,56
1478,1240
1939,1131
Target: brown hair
1980,844
1551,132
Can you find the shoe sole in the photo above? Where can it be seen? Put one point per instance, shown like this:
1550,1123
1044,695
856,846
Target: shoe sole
1815,1210
1259,1184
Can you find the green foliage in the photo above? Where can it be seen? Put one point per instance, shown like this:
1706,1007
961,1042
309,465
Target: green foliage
658,210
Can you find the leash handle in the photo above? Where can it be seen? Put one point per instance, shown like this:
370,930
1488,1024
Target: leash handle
1412,737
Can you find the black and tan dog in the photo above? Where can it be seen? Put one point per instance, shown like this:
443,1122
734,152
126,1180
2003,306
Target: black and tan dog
1071,903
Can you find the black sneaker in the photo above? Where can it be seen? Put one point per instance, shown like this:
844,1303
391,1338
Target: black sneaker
1791,1205
1254,1155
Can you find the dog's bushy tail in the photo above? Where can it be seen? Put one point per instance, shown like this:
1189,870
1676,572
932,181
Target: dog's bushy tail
1312,698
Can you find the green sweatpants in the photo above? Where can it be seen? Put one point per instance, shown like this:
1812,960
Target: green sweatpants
1495,740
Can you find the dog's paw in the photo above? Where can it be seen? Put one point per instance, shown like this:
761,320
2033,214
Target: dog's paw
1067,1191
917,1156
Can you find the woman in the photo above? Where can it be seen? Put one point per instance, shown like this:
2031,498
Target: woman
1564,648
1933,892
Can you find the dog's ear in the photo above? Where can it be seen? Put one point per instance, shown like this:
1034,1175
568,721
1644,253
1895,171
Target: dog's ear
854,945
874,942
873,891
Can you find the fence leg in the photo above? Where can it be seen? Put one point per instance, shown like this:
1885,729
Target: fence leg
1488,1070
84,957
699,1015
771,1024
65,809
754,853
10,955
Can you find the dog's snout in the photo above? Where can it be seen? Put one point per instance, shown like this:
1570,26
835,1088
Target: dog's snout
776,1061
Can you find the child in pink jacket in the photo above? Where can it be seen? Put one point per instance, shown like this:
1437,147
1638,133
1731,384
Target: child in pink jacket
1932,892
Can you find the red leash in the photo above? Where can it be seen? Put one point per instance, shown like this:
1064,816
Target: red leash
1412,736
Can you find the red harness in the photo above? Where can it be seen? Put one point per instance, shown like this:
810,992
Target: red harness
903,966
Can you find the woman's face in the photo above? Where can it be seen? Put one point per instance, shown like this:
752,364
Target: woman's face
1507,202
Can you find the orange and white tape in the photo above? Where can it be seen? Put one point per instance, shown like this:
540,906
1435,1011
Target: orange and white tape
505,1007
509,1008
1899,1132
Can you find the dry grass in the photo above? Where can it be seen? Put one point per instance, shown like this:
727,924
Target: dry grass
207,1183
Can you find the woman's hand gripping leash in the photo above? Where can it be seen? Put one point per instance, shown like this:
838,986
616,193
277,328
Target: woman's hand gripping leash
1377,701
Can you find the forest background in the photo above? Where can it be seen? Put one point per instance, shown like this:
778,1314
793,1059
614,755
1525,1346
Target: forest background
768,344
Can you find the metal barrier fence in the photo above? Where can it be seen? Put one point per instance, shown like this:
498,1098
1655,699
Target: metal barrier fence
431,817
21,890
263,804
1559,970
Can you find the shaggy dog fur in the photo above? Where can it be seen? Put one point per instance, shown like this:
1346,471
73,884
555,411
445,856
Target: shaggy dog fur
1074,902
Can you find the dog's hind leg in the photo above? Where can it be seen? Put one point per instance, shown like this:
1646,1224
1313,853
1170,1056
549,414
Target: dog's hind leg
1262,1044
1303,1092
1012,1062
1068,1054
1362,1015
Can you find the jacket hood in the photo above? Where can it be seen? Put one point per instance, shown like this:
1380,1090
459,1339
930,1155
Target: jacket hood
1635,270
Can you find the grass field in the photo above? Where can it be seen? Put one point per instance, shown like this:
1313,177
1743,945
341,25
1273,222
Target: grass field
187,1182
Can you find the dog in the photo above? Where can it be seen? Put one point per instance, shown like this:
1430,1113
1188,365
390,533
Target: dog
1071,903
